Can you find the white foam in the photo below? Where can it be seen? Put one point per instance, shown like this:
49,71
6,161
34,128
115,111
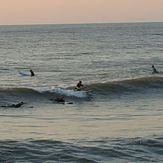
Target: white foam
70,93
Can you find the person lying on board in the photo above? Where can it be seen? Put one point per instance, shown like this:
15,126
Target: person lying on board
79,86
154,70
18,105
60,100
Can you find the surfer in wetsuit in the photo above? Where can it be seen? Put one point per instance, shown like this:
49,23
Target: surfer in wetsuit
60,100
18,105
79,86
32,73
154,70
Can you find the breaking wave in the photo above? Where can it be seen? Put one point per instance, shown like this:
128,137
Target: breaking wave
95,89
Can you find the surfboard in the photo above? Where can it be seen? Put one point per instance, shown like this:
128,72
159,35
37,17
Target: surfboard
24,74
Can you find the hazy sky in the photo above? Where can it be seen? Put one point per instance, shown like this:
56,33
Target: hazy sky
79,11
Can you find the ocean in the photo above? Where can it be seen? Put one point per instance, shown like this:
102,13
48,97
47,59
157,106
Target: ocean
118,117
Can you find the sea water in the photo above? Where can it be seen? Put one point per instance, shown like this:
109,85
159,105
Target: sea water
117,118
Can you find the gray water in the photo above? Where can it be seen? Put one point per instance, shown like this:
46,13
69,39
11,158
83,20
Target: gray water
117,119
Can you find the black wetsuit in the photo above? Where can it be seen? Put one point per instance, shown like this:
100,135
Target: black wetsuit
155,71
79,86
32,73
18,105
60,100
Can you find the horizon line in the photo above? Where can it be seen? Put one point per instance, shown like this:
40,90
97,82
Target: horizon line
82,23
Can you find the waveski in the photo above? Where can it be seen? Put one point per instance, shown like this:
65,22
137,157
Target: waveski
95,89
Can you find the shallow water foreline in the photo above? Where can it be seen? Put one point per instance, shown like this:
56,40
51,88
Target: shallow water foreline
104,150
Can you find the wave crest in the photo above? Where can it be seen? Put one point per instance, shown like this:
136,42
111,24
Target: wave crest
113,87
128,85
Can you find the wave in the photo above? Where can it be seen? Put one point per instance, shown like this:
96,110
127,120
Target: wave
67,92
91,90
103,150
131,85
15,95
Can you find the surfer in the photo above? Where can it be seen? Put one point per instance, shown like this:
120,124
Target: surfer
18,105
154,70
32,73
79,86
60,100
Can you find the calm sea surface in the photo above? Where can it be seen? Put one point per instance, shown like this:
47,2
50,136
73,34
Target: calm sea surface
117,118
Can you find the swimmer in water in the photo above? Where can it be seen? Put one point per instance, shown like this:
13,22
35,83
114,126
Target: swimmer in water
32,73
154,70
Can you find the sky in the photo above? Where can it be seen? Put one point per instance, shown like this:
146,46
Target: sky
79,11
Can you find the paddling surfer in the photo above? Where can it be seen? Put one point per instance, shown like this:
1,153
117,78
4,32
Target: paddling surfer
18,105
32,73
60,100
154,70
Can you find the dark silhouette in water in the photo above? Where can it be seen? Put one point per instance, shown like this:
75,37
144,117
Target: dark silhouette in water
60,100
32,73
154,70
79,86
18,105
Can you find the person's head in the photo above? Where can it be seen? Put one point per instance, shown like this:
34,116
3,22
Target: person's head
153,66
80,81
21,103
